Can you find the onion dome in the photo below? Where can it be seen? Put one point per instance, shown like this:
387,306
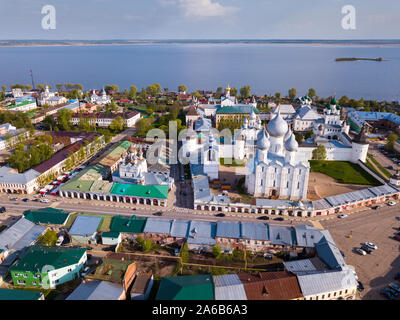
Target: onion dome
262,140
287,135
333,102
291,144
277,127
245,121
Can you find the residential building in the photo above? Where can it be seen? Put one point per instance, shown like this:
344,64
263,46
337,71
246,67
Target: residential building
14,294
229,287
24,103
84,229
279,285
199,287
142,286
48,267
17,238
105,119
97,290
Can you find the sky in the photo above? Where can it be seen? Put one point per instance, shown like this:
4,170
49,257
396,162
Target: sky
199,19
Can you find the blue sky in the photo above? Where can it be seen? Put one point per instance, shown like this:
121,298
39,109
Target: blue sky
199,19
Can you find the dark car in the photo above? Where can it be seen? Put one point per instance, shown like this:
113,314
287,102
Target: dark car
279,219
360,286
25,200
366,249
220,215
2,209
376,207
396,238
158,213
35,200
263,218
397,276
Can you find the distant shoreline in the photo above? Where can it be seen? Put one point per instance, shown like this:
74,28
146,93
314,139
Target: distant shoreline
82,43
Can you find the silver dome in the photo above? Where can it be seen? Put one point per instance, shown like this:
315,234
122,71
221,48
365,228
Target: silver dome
291,144
245,120
277,127
288,134
262,140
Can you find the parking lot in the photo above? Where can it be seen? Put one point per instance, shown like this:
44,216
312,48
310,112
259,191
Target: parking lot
375,270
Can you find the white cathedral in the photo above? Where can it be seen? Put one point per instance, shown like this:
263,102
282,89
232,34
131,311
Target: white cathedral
275,170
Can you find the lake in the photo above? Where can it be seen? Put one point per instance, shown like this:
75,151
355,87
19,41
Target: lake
267,68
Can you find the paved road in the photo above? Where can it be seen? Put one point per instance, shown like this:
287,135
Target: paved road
381,158
377,269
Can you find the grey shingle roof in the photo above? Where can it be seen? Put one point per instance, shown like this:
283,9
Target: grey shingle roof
229,287
162,226
85,225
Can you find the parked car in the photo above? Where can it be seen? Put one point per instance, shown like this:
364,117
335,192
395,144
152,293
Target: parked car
396,238
387,294
44,200
35,200
279,219
366,249
182,178
395,287
13,199
376,207
220,215
392,203
341,216
268,256
158,213
361,251
371,245
25,200
263,218
360,286
2,209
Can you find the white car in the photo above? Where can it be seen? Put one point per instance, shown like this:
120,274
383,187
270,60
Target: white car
392,203
371,245
361,251
342,216
45,200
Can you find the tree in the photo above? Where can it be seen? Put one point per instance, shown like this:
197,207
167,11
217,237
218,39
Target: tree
245,92
299,137
312,93
309,134
185,253
49,238
41,87
292,93
117,125
220,90
278,97
234,91
64,118
154,89
3,88
182,88
216,251
132,92
28,87
390,140
319,153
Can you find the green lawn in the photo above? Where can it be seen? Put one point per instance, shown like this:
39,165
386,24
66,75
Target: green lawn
231,162
344,172
384,171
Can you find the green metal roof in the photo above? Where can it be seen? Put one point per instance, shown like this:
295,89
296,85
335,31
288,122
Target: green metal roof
101,186
127,224
23,103
46,216
10,294
113,155
110,234
200,287
243,109
141,191
37,257
84,180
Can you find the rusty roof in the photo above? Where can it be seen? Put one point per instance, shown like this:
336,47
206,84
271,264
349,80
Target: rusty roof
280,285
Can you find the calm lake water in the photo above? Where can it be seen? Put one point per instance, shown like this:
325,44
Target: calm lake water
267,68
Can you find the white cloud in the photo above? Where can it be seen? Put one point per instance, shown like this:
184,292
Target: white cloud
205,8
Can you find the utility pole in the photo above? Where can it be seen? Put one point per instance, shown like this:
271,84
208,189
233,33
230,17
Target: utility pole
33,83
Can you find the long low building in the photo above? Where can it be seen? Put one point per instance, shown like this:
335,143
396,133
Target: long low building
105,119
